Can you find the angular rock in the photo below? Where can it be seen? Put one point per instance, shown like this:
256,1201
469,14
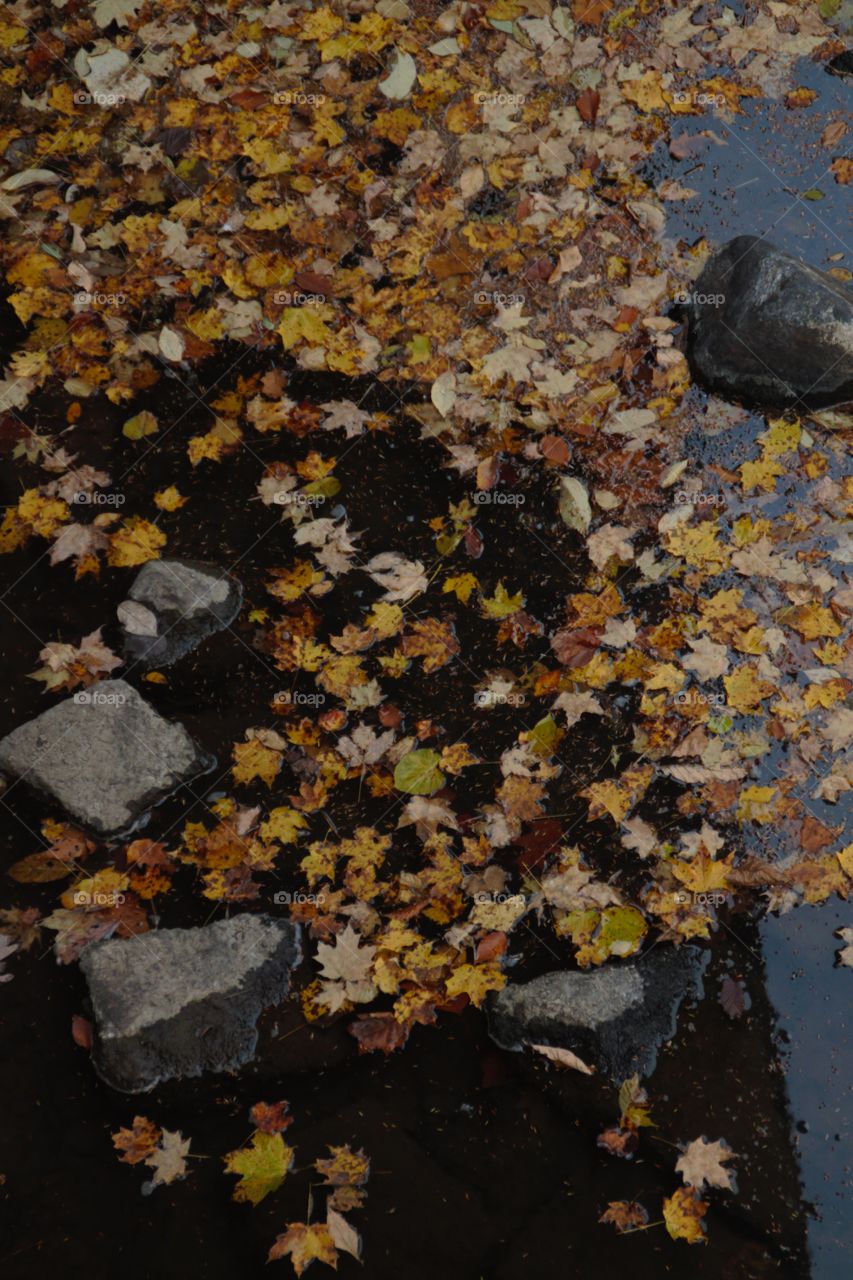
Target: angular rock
767,329
615,1018
176,1002
104,755
173,605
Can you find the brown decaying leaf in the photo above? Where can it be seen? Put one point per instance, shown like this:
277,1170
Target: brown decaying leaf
564,1058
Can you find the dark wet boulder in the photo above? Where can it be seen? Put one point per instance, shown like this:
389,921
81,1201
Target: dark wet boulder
174,1003
105,755
173,605
842,63
767,329
615,1018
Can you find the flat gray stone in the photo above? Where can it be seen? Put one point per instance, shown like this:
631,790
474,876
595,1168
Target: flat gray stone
176,1002
104,755
615,1018
175,604
767,329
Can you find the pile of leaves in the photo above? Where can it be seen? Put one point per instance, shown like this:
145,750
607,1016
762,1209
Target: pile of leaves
449,207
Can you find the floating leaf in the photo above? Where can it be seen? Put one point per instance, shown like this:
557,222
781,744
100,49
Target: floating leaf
261,1167
418,773
574,504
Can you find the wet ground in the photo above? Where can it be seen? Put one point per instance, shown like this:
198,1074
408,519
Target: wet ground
484,1164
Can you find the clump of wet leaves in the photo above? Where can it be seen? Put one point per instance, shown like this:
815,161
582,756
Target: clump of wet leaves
261,1166
351,194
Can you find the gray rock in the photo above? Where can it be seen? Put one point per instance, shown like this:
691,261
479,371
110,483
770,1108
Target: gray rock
176,1002
105,755
765,328
615,1018
184,601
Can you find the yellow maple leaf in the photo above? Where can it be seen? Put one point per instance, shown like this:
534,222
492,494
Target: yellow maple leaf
618,796
44,514
169,499
290,583
646,91
501,604
457,757
432,640
461,586
683,1212
824,695
261,1167
341,675
745,690
703,874
475,981
305,1244
255,760
283,824
136,542
698,544
812,621
845,858
305,324
780,437
762,473
320,862
385,619
207,446
97,891
756,804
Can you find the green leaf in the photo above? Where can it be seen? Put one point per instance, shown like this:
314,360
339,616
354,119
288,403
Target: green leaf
325,488
544,737
620,933
813,193
418,773
261,1167
142,424
720,723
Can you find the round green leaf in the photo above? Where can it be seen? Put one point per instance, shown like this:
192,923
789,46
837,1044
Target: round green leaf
418,773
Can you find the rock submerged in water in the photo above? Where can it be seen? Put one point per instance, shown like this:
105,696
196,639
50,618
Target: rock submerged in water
105,755
615,1018
173,605
176,1002
765,328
